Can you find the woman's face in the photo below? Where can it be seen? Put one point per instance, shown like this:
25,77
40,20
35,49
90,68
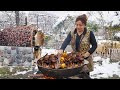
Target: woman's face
80,26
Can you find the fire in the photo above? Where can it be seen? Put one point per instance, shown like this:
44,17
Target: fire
40,76
47,77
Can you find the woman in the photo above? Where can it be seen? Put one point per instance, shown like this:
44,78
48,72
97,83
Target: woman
80,40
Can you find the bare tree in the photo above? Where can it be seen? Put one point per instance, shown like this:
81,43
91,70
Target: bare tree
17,18
10,17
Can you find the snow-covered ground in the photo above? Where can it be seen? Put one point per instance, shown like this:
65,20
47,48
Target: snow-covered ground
49,51
22,72
105,69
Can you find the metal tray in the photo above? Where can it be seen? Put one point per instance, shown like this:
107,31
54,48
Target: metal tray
60,73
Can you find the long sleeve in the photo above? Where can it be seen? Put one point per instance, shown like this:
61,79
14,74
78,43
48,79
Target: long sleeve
93,43
66,42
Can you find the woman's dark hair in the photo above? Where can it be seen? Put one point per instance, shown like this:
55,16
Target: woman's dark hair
82,18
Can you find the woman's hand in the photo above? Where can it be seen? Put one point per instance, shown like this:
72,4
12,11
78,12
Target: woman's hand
87,54
60,51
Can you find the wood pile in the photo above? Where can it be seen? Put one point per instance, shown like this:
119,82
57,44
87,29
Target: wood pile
17,36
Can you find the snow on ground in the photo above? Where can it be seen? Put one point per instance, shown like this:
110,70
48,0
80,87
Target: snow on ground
105,70
23,72
49,51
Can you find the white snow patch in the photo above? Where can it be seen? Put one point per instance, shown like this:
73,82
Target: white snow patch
49,51
106,70
97,58
22,72
117,34
60,19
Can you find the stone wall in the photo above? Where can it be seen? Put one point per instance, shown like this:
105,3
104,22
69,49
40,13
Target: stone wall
16,56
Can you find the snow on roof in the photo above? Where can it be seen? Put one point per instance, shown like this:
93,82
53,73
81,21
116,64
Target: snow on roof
60,19
106,41
99,37
117,34
64,14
